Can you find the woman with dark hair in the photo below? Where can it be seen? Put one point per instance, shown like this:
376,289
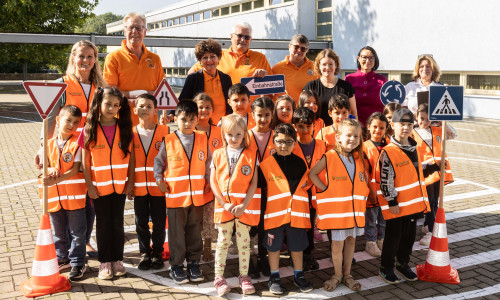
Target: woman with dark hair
367,84
209,80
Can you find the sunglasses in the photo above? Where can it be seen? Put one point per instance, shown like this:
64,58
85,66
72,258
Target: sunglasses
297,47
239,36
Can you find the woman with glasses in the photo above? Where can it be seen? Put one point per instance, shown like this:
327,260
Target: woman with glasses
425,74
367,84
209,80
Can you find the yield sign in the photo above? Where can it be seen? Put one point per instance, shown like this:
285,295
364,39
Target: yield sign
44,95
165,96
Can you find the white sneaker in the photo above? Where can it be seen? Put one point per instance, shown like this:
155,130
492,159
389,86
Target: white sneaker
372,249
105,271
425,229
426,239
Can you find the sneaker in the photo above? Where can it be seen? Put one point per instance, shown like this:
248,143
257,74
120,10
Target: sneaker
253,270
194,272
275,285
263,265
105,271
118,268
64,265
425,229
145,262
389,276
77,272
310,263
157,261
221,286
178,274
372,249
426,239
301,282
380,244
406,272
246,284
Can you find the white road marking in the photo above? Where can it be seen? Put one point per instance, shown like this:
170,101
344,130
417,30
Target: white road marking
466,129
17,184
475,144
475,159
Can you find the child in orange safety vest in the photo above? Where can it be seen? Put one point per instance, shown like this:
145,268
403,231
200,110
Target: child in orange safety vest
67,193
239,100
234,181
341,201
149,200
429,140
338,109
108,167
183,175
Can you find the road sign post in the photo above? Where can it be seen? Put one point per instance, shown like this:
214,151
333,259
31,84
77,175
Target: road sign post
392,91
270,84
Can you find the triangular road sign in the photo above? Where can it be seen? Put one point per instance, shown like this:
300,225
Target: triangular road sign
44,95
165,96
446,106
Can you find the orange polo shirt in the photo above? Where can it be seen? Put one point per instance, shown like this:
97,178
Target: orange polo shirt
213,88
295,77
126,71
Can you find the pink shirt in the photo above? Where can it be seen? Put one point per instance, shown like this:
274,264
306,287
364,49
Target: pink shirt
109,132
262,139
367,91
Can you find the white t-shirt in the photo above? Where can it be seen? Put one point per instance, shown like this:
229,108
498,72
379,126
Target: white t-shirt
232,155
86,89
426,135
78,155
146,136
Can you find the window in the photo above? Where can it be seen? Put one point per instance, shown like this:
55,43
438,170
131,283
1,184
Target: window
215,13
197,17
324,17
289,0
384,74
176,21
324,24
450,79
274,2
170,23
483,82
406,77
189,18
182,20
157,25
258,4
164,24
224,11
151,26
246,6
235,9
324,4
324,31
206,15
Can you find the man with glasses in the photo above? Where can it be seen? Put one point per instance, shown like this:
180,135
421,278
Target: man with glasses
133,68
296,67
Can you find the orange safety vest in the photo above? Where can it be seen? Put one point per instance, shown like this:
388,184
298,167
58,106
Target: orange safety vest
318,124
328,134
185,177
145,182
214,143
282,207
342,204
372,153
68,194
412,195
109,168
269,148
234,187
76,96
433,156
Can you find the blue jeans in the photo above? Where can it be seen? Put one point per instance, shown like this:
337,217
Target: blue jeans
69,227
374,224
90,216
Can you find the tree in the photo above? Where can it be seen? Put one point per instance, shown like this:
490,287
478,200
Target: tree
43,16
98,23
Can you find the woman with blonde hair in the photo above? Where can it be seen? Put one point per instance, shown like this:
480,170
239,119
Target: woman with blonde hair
425,74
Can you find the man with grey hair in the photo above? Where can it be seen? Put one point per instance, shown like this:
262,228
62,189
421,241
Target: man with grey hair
133,68
239,61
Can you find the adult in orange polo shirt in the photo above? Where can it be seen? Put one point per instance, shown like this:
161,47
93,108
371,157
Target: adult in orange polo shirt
296,67
239,61
133,69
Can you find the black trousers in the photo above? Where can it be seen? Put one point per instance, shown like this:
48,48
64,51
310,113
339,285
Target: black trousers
109,211
154,206
398,242
310,232
184,234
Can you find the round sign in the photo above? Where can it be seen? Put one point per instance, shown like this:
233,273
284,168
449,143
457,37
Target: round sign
392,91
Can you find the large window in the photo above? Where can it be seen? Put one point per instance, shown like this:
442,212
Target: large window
206,15
450,79
483,82
246,6
258,4
224,11
324,23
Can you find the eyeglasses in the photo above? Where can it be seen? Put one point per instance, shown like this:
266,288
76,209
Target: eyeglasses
136,27
288,143
370,58
297,47
240,36
211,57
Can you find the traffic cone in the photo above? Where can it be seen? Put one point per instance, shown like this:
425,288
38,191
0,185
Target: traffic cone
45,270
437,266
166,251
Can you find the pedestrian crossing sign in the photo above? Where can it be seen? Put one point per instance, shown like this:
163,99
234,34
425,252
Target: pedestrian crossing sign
446,103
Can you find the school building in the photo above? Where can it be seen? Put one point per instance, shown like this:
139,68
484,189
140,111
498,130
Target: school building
459,34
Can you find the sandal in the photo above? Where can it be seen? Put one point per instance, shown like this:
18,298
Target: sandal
332,283
351,283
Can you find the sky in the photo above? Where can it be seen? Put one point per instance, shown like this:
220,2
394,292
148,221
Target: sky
123,7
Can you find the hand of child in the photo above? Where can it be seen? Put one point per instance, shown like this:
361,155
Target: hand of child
394,209
238,210
165,119
228,207
162,186
53,172
93,193
48,180
38,159
129,189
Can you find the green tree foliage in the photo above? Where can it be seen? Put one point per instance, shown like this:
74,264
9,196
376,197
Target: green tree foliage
44,17
98,23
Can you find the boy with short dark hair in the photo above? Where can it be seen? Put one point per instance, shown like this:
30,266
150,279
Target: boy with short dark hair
184,177
67,192
239,100
338,110
403,197
149,200
284,178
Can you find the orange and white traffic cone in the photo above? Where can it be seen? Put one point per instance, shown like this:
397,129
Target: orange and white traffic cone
45,270
437,266
166,251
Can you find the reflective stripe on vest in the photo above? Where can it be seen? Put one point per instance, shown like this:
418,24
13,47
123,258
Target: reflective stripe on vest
144,181
109,168
185,177
412,195
342,204
75,95
234,187
282,207
69,194
433,156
